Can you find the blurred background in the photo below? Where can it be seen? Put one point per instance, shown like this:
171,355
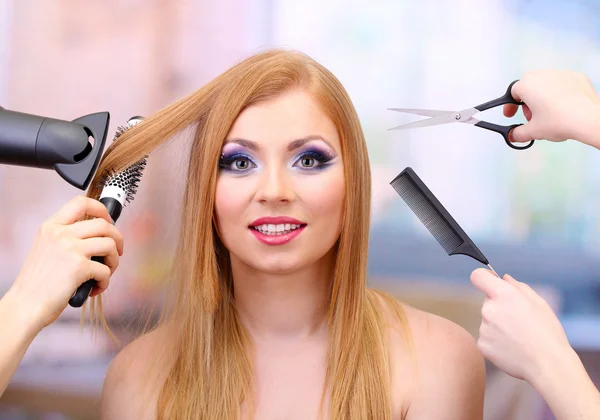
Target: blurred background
534,213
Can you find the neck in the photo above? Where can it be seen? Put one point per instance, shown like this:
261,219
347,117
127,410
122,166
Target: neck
291,305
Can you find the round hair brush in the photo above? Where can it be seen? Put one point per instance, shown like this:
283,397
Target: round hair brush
118,189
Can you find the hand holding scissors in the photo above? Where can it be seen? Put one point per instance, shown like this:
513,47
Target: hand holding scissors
466,116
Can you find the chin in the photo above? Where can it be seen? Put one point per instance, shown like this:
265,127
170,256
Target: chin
279,266
277,260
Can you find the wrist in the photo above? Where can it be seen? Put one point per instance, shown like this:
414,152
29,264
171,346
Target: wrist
561,371
591,132
21,314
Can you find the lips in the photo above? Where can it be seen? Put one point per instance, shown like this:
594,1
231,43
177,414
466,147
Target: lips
276,230
279,220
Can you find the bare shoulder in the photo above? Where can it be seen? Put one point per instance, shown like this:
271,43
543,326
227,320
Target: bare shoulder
440,338
134,377
443,362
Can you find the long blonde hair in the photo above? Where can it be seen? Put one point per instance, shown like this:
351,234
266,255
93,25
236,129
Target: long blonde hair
211,370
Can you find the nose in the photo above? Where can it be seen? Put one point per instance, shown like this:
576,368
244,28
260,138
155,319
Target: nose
275,187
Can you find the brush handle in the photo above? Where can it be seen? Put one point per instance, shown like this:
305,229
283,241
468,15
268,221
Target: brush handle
83,291
114,207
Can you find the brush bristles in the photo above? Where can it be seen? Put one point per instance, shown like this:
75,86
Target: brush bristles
128,179
426,212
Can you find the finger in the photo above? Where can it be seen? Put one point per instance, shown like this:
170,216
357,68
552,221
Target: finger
483,329
523,133
101,247
517,91
486,312
484,347
523,287
527,112
515,283
510,279
101,273
97,228
582,77
79,207
510,110
488,282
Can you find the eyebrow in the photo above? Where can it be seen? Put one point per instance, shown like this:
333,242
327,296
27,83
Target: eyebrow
291,147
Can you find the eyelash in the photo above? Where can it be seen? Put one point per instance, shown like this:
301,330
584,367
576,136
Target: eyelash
226,161
322,161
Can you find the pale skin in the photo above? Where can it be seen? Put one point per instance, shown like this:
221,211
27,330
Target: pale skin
519,332
58,262
281,290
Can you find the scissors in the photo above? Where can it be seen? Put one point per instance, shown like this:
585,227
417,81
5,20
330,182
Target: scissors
466,116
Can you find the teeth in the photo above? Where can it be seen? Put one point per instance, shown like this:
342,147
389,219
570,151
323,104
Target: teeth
276,229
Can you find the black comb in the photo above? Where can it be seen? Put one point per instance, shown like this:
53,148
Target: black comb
435,217
118,190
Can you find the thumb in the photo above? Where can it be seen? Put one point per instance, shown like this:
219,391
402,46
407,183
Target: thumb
523,133
487,282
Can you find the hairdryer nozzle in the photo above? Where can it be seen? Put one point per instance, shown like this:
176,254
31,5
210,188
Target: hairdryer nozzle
81,173
48,143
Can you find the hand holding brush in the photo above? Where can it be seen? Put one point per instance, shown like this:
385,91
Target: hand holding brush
69,253
72,258
118,189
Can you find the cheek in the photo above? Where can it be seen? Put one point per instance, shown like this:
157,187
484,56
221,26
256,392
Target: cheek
325,197
230,202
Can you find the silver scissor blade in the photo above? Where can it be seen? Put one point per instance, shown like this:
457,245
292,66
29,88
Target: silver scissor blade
423,112
441,119
464,116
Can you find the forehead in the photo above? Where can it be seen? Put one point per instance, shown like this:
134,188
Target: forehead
287,117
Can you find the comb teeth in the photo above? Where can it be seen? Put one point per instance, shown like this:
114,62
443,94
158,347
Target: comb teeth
434,216
427,213
128,179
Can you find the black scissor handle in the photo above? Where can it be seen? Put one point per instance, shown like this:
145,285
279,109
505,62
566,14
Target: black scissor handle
505,131
507,98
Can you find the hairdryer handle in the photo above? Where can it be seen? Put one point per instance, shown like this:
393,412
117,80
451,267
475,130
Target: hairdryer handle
83,291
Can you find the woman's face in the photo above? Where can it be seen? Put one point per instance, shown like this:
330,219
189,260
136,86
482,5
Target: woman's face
280,191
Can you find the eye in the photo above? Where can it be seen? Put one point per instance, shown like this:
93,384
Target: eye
313,160
242,163
307,162
236,163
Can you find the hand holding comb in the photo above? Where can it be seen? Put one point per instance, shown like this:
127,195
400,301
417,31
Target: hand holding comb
435,217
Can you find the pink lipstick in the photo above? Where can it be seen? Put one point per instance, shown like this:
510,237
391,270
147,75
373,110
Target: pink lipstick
276,230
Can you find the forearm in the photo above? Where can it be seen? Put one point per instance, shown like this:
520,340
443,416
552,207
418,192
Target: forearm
16,334
568,390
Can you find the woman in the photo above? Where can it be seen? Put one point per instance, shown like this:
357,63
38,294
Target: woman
271,316
519,332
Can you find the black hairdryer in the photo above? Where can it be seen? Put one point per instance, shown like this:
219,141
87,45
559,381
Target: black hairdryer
48,143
